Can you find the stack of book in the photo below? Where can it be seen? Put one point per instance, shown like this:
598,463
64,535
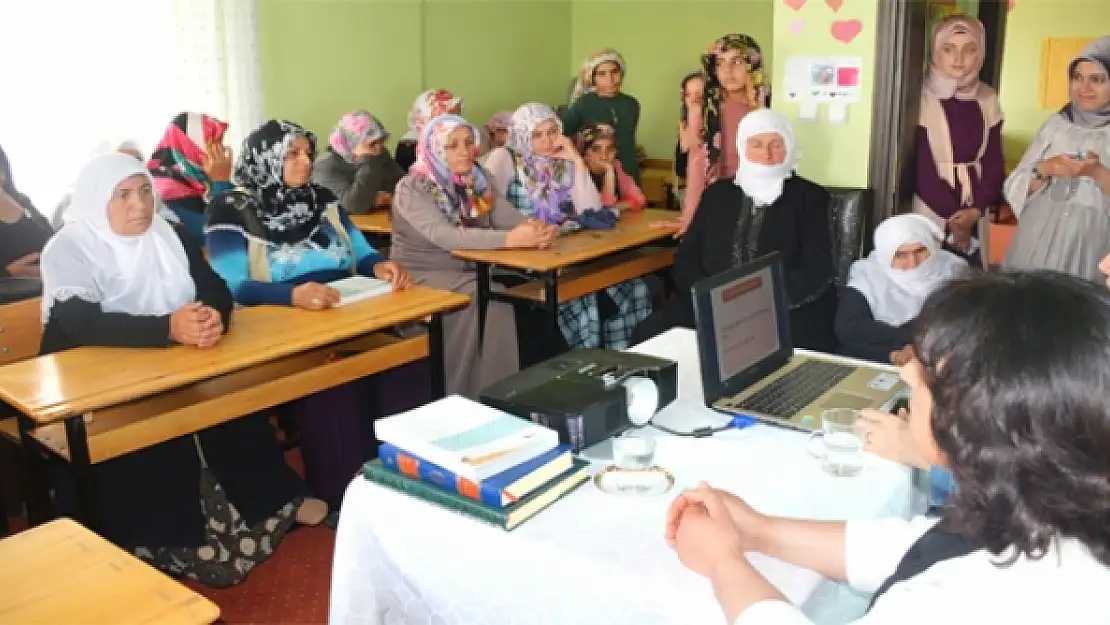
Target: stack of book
477,460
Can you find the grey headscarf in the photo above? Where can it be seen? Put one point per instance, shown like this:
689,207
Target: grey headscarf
1098,51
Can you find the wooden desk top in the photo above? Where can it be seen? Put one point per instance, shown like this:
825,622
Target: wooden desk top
633,229
61,573
375,222
76,381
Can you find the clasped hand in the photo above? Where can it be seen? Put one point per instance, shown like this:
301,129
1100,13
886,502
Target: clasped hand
196,324
1068,166
709,528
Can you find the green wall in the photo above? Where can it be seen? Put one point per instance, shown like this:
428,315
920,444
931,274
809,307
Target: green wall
662,40
832,154
1030,22
323,57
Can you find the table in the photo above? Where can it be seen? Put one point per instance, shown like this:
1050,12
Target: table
594,558
61,573
623,261
375,222
272,355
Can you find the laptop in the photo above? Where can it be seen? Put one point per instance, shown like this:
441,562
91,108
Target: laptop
748,364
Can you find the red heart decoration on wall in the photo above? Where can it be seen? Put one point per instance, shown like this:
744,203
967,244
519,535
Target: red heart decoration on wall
835,4
845,31
795,4
1010,5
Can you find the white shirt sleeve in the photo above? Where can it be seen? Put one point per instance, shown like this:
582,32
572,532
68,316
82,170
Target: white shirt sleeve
874,547
772,613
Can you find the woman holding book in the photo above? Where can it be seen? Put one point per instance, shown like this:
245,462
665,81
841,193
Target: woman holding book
280,238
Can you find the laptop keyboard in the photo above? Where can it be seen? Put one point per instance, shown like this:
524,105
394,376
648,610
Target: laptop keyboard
786,396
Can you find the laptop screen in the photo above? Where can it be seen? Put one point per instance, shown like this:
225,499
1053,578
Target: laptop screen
743,326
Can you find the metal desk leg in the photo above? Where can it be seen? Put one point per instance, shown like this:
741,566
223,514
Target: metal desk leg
551,303
35,485
436,357
483,270
78,442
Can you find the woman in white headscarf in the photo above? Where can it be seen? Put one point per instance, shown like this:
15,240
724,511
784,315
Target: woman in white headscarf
766,208
212,506
886,290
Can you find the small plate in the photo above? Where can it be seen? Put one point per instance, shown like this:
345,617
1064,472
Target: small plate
614,480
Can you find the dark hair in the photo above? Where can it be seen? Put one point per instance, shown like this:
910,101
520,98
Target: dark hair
1018,366
685,81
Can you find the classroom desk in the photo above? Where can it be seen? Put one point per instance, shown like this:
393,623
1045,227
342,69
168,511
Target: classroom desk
272,355
61,573
565,271
378,222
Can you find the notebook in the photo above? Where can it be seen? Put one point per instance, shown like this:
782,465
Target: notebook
358,288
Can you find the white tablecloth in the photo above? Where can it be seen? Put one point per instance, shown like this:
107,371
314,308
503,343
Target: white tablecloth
596,558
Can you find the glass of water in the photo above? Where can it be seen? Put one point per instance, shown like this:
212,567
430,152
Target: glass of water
841,446
633,451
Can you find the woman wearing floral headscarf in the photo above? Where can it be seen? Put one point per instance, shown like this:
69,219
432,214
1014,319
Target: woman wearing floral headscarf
448,203
544,177
960,167
280,239
735,85
427,106
598,147
357,166
1060,191
597,98
495,133
191,166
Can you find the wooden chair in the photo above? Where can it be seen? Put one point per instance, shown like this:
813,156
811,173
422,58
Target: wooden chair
20,336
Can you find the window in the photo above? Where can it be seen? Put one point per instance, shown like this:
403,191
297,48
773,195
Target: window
80,76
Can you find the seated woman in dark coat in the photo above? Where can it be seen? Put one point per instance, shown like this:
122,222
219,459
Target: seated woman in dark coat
211,506
767,208
887,289
23,230
356,166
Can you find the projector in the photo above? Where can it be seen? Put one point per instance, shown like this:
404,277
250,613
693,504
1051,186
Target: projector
588,395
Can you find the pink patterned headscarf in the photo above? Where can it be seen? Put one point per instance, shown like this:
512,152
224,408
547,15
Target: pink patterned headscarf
940,83
353,129
462,197
429,105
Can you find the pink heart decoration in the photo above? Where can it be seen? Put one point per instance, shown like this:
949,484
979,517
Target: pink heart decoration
796,27
845,31
795,4
1010,5
835,4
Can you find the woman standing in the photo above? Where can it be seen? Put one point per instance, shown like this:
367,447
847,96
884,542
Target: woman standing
211,506
597,98
735,85
449,203
960,167
357,167
692,89
1060,191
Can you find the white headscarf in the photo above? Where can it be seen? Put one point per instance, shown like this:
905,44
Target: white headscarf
896,295
147,274
763,183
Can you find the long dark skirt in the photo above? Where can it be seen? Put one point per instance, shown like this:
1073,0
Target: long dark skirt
337,425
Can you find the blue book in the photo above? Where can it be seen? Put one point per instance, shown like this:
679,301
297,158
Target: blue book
498,491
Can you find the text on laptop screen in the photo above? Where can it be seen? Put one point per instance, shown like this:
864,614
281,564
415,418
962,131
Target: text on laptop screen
744,322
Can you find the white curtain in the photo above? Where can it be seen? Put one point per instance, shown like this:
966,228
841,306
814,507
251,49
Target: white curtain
81,75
